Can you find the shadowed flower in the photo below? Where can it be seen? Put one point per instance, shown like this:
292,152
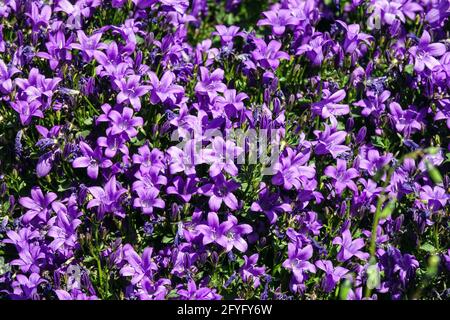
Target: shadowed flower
221,191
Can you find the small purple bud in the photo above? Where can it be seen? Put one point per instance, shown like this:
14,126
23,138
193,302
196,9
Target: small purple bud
361,135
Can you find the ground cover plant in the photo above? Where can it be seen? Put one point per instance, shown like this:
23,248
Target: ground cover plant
235,149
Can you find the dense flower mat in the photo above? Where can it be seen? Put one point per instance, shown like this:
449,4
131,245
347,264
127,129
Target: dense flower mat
166,149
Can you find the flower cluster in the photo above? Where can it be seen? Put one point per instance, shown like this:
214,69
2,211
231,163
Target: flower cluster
127,168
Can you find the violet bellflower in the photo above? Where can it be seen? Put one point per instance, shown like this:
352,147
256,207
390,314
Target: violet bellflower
222,156
221,191
147,200
198,293
227,34
231,102
329,105
291,171
27,110
297,261
210,83
349,247
164,90
107,199
58,49
92,160
138,267
278,20
269,204
342,178
328,142
250,272
88,45
268,55
125,122
332,274
425,52
131,90
227,234
38,205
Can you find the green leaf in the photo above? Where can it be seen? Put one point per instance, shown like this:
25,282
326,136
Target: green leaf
434,173
409,69
428,247
167,239
388,209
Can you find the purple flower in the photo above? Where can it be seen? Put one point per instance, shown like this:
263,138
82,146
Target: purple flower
269,204
329,105
210,83
38,205
131,90
137,267
222,157
435,198
88,45
147,200
91,159
374,162
201,293
22,238
314,49
149,160
112,144
58,49
290,171
250,272
328,142
342,178
227,234
39,18
183,188
125,122
227,34
425,52
107,199
297,261
231,102
268,55
164,90
31,258
278,19
332,275
183,160
233,233
353,37
349,247
221,191
26,287
74,294
27,110
75,12
6,73
405,121
64,229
